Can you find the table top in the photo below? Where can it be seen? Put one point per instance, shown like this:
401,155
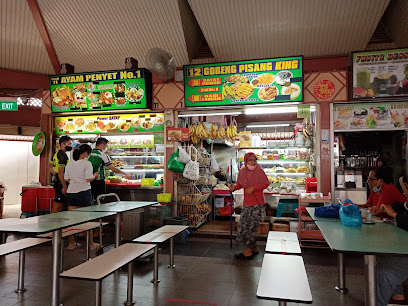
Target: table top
275,235
283,278
120,206
161,234
376,238
51,222
311,211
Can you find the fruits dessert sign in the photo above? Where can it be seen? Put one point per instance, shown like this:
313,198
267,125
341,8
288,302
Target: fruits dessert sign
99,91
380,74
247,82
123,123
371,116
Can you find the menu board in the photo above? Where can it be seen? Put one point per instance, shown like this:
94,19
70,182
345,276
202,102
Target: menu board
134,141
99,91
371,116
247,82
123,123
380,73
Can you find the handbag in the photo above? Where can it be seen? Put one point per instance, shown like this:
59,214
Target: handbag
192,169
174,164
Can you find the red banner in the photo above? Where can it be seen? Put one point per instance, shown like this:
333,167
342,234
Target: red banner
175,134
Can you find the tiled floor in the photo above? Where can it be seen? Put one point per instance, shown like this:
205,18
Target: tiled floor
206,273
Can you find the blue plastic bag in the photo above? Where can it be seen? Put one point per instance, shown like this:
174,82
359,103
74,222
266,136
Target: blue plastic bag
350,215
331,211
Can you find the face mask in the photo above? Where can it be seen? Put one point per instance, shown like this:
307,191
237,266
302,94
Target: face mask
68,148
251,167
377,189
105,150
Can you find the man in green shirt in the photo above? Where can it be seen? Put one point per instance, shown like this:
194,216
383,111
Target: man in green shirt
99,160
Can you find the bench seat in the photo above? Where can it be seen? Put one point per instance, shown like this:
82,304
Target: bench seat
107,263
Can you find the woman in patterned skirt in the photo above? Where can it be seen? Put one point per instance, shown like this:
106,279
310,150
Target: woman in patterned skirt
254,180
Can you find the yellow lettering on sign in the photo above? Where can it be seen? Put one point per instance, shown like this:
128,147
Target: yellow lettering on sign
278,66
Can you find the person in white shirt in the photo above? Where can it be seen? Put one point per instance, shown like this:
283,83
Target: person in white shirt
79,174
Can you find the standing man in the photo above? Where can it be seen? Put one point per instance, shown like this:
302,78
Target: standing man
57,168
99,160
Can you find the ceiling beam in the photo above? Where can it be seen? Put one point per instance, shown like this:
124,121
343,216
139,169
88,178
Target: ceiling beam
39,20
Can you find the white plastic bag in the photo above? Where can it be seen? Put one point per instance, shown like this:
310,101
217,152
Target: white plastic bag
191,171
213,165
183,156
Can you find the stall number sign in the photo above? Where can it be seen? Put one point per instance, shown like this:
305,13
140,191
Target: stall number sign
247,82
8,106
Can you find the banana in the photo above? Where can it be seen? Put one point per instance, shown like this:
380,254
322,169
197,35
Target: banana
192,129
213,131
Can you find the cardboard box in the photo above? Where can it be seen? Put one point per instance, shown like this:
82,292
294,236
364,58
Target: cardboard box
263,227
294,226
280,227
311,226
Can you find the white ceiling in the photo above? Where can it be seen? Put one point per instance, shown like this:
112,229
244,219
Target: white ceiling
98,35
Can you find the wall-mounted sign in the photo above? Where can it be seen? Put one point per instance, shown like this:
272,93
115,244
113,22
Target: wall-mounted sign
380,73
8,104
99,91
38,143
324,89
123,123
374,116
247,82
303,111
175,134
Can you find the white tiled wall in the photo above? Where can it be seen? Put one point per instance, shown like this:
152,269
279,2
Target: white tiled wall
18,167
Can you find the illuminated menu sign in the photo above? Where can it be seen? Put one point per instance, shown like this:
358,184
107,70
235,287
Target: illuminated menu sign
247,82
99,91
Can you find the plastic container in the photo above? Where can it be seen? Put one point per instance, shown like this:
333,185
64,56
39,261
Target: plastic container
164,197
181,237
154,215
29,196
45,198
147,182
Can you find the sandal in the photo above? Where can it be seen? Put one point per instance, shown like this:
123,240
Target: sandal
75,246
95,247
242,256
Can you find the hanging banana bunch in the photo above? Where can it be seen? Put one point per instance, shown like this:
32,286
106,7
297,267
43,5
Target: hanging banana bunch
221,132
213,131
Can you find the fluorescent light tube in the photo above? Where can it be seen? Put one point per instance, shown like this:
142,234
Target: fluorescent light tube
270,110
267,125
210,114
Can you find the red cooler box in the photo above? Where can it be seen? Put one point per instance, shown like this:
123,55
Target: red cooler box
29,196
45,198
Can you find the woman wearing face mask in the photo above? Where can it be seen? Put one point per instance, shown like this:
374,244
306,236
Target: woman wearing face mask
79,174
383,190
254,180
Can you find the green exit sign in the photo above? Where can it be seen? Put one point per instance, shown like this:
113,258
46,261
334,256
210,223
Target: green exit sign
8,106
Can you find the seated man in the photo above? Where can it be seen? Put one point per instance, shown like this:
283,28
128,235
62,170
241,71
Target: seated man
392,271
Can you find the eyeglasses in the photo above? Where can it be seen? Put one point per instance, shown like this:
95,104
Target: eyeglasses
371,179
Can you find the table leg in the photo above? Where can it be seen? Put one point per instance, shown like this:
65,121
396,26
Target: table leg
282,303
3,237
98,296
88,236
341,281
56,262
62,257
118,229
100,232
171,265
370,280
155,279
21,264
129,301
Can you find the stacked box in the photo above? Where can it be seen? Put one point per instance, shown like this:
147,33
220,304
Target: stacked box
154,215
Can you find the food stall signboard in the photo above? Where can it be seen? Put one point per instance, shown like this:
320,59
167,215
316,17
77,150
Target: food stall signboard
380,73
247,82
99,91
178,134
370,116
121,123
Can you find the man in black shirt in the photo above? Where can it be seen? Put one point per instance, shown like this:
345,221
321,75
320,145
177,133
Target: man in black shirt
57,168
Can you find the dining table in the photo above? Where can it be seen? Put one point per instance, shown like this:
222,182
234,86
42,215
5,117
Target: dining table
54,223
118,208
370,239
